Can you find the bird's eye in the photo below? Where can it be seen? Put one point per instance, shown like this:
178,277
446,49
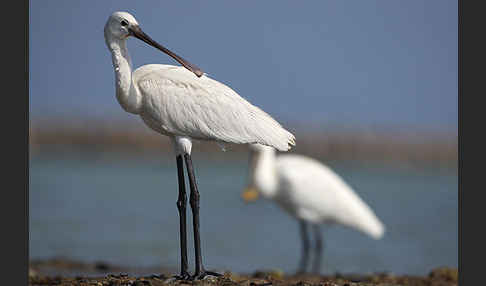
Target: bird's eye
124,23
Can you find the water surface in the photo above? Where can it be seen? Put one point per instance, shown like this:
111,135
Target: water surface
121,209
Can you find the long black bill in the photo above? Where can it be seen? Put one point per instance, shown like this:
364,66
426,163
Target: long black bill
139,34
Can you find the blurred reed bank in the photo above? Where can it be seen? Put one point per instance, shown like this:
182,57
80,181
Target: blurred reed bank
393,145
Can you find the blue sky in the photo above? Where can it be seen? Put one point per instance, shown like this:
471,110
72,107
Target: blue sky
337,63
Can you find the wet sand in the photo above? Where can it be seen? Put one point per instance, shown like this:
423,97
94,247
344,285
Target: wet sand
65,272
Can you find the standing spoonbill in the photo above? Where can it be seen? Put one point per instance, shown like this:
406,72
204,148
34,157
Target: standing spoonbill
311,192
185,104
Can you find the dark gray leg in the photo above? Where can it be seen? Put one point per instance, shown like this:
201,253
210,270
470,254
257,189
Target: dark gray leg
200,272
181,206
316,269
305,248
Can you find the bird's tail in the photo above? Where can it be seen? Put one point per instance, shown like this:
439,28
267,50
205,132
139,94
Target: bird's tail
271,133
369,223
361,216
374,227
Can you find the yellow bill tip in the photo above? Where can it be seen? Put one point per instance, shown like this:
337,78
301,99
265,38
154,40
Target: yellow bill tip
250,194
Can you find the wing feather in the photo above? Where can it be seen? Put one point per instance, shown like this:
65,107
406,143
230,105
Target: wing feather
318,190
177,102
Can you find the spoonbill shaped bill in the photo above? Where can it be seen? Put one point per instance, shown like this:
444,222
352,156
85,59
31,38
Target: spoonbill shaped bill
185,104
310,192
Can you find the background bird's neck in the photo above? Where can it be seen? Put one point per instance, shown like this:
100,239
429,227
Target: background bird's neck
126,93
265,173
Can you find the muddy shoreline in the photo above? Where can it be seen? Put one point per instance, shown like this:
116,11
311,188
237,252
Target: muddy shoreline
66,272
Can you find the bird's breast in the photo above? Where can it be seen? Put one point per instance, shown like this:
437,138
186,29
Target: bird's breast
155,121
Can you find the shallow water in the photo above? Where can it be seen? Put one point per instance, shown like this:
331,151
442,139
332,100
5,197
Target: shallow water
121,209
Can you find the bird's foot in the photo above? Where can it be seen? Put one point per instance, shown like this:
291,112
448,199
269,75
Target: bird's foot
184,276
205,274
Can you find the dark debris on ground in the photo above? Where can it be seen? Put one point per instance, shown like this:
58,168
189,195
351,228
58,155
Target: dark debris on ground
437,277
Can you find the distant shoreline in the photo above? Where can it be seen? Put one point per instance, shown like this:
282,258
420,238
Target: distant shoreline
390,146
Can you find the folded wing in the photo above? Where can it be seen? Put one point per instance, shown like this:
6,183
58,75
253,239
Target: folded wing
205,109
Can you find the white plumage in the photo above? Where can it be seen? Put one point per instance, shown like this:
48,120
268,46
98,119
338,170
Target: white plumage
316,194
176,102
309,191
185,104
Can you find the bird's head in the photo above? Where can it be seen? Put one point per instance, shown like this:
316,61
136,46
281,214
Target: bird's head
121,25
251,192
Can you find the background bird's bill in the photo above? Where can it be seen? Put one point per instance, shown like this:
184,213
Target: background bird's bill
139,34
250,194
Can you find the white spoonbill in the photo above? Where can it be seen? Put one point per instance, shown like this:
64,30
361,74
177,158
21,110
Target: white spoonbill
185,104
309,191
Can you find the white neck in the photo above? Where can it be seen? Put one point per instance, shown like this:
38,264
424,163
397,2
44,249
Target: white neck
265,173
126,93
